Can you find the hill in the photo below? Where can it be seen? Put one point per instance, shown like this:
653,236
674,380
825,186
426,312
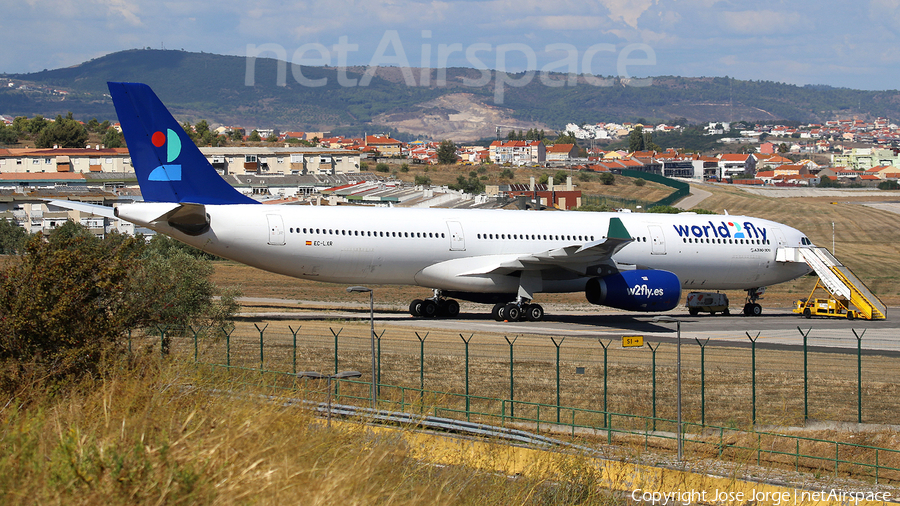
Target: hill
214,87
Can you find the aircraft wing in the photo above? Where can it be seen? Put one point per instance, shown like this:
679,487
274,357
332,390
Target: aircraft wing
576,258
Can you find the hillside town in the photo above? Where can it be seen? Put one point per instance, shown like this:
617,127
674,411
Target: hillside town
321,169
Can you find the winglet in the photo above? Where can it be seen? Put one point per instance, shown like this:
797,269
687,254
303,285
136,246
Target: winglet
168,165
617,230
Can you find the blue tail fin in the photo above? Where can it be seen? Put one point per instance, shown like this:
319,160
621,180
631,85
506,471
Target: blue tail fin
168,165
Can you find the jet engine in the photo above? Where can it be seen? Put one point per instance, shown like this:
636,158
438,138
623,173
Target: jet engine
638,290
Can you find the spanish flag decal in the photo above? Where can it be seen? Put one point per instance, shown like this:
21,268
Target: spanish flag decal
309,243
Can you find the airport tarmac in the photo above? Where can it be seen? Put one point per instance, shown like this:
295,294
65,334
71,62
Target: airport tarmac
776,328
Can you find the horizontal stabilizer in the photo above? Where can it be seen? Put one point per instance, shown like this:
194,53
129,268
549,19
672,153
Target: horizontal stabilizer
96,209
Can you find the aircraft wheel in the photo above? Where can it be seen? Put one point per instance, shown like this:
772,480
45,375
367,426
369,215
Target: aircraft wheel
511,312
747,311
807,313
498,312
415,308
451,308
428,309
534,312
755,310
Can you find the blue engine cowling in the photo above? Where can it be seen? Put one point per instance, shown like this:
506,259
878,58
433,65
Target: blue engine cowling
638,290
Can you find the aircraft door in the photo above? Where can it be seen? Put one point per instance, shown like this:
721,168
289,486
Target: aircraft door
658,240
276,229
780,240
457,239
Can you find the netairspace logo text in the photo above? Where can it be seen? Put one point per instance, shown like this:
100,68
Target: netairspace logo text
480,56
759,497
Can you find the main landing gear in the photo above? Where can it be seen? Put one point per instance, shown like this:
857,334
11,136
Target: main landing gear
751,308
433,307
518,311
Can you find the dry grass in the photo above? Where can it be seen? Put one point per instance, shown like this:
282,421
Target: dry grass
728,394
170,434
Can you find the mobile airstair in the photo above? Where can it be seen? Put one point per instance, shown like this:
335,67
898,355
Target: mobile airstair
837,280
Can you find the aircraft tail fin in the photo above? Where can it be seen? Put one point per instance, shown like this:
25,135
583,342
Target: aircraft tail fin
169,166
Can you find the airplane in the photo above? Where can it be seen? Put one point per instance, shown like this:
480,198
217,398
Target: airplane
630,261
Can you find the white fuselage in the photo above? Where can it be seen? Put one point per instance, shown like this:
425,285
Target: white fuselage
450,249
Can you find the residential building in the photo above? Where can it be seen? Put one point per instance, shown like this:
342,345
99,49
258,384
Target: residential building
384,144
75,160
290,160
735,164
561,152
518,152
867,158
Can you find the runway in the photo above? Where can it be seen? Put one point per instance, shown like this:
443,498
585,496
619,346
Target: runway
776,328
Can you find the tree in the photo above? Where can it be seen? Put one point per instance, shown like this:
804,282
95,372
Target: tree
70,299
636,139
254,137
607,179
8,135
888,185
382,167
113,139
566,138
828,182
446,152
37,124
472,185
12,237
64,132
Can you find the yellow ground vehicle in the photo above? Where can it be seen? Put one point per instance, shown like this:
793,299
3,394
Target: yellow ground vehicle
824,307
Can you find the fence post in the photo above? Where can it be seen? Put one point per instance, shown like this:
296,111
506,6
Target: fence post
605,376
163,340
702,380
195,332
129,341
557,374
467,371
294,354
653,352
805,374
859,374
512,404
753,372
261,331
228,345
378,376
422,367
336,334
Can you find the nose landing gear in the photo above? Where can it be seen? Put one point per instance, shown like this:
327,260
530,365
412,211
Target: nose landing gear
751,308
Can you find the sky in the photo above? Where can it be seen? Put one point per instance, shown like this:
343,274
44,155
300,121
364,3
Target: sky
836,43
